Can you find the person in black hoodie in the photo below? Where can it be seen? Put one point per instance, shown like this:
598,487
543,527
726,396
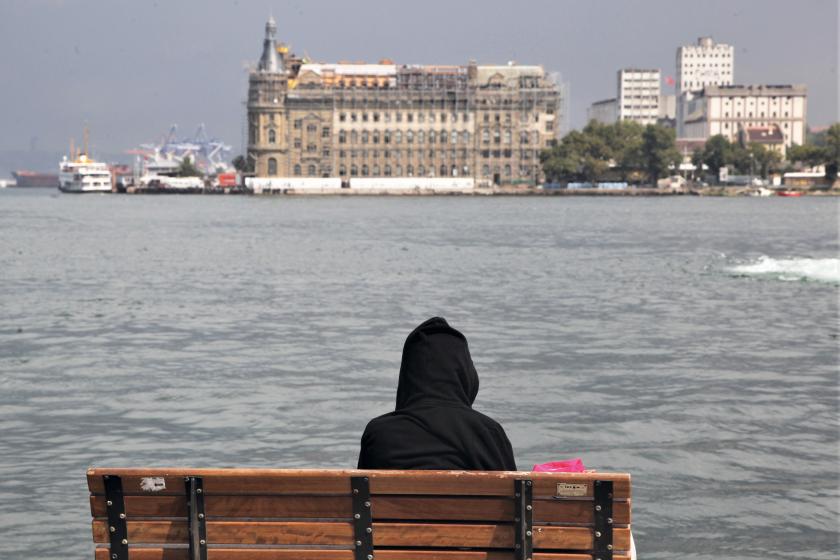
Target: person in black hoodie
434,425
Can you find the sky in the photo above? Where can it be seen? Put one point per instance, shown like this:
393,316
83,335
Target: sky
129,69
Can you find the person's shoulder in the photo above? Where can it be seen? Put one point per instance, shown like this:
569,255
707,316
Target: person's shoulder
379,422
489,422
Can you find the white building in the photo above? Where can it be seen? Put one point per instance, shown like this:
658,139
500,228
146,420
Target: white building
705,64
731,109
667,107
638,95
605,111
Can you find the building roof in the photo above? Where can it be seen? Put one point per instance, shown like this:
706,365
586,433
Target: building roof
763,135
754,89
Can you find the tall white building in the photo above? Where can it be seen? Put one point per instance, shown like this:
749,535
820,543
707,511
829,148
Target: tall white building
705,64
638,95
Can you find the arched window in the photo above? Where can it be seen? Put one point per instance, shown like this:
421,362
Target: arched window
365,137
432,136
485,170
485,136
398,136
454,171
354,137
297,170
497,137
409,170
311,170
387,136
466,170
387,170
342,170
421,137
465,137
453,138
507,136
443,137
443,172
272,166
272,136
523,137
421,171
342,137
399,170
365,170
376,137
376,170
354,170
409,137
507,170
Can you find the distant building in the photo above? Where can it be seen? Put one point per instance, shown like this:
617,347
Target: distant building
605,111
388,120
705,64
731,109
638,95
667,107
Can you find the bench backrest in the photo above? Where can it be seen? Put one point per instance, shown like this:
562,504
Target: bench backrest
274,514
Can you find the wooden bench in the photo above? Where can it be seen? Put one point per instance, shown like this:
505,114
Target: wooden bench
273,514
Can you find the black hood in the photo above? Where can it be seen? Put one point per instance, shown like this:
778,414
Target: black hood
436,367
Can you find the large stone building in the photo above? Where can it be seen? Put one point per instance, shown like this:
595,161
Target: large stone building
732,110
387,120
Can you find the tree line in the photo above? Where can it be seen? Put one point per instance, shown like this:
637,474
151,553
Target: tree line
621,151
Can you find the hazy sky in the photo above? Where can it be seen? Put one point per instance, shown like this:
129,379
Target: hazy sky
131,68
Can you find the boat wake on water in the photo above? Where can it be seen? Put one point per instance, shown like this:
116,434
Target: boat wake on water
791,269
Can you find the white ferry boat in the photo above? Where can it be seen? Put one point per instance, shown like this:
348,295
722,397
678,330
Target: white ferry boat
83,175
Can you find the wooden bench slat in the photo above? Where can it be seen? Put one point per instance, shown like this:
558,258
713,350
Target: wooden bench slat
384,507
301,554
274,481
341,533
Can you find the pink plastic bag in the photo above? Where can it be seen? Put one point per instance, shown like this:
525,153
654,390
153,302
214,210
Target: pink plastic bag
570,465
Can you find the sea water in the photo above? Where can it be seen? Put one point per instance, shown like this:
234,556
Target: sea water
692,342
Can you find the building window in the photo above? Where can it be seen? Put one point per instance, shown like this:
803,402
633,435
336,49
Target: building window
485,170
485,136
398,137
297,170
354,137
387,170
342,170
443,172
354,170
421,171
272,167
342,117
465,137
409,170
342,136
298,123
376,170
325,132
386,138
272,136
311,148
409,137
365,137
365,170
376,137
507,170
409,117
432,136
376,117
421,137
443,137
311,128
311,170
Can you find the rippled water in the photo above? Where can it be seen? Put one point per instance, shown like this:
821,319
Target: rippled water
221,331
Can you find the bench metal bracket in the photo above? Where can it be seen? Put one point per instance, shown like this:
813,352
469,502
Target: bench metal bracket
196,519
362,518
117,527
524,519
603,515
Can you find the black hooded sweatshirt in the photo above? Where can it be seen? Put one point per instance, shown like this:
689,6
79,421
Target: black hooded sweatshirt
434,425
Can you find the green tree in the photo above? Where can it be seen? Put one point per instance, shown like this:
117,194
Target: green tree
243,164
658,151
188,169
716,153
763,160
580,156
831,152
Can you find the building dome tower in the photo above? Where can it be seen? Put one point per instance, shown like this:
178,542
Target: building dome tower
270,60
267,88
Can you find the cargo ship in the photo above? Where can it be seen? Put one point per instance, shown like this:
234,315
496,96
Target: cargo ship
26,178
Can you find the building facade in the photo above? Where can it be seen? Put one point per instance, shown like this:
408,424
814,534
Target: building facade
731,110
638,95
705,64
387,120
605,111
